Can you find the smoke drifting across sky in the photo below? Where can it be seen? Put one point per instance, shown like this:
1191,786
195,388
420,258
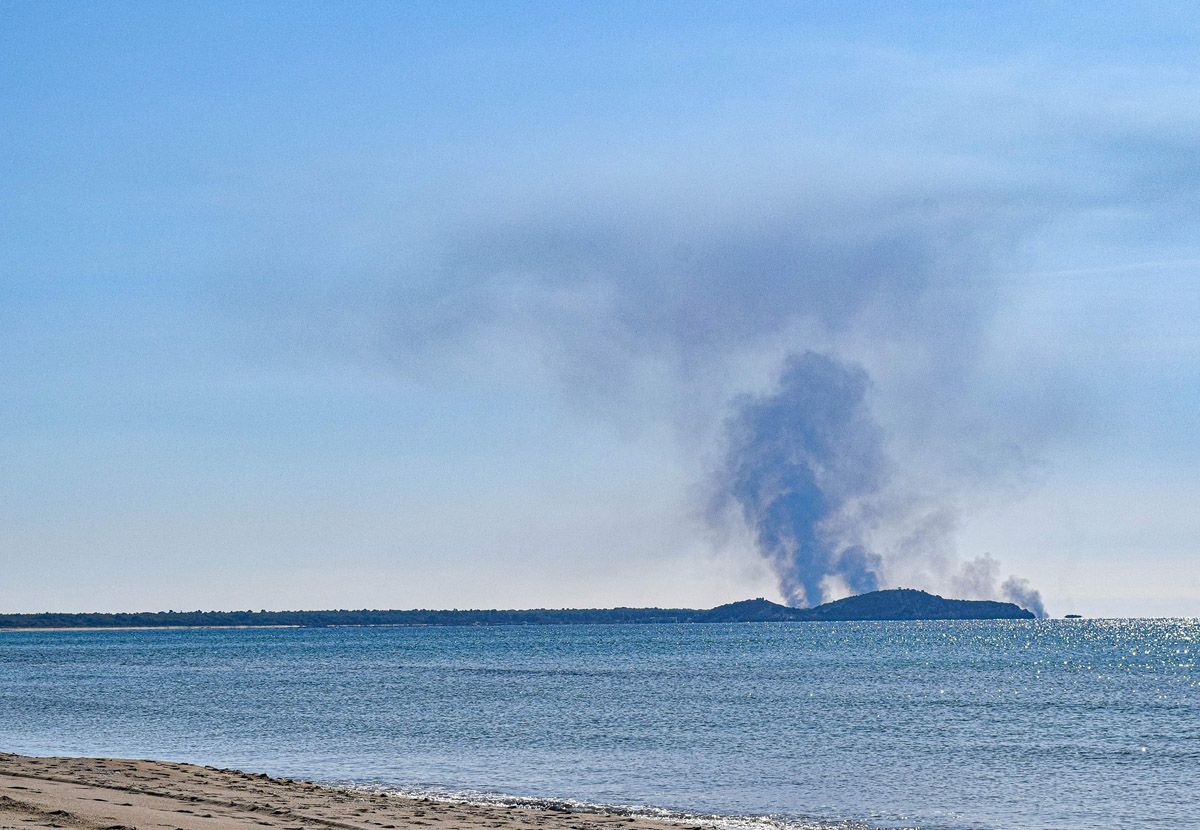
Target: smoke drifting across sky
866,279
683,304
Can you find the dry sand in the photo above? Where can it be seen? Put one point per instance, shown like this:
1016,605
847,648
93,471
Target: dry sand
113,794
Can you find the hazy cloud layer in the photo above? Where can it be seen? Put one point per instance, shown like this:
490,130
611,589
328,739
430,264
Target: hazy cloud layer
672,292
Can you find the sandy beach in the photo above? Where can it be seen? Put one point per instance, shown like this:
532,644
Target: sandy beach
114,794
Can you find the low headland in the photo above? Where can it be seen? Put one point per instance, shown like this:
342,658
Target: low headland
114,794
898,604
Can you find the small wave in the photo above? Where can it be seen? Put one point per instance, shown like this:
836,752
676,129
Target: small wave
638,811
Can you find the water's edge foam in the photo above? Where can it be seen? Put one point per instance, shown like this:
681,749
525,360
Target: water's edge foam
714,821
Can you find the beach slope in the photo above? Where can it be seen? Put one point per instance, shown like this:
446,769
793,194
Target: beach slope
113,794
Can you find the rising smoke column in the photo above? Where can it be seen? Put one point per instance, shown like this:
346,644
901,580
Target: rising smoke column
802,463
796,461
1018,590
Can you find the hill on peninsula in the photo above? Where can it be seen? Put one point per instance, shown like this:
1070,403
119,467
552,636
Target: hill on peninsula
892,605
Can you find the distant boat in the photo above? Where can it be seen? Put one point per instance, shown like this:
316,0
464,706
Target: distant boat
1074,617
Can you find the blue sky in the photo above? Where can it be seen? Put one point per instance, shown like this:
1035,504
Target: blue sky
310,305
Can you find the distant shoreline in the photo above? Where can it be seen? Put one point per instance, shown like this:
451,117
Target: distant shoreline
61,628
897,604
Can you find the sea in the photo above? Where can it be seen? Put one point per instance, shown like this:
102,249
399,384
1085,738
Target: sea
966,725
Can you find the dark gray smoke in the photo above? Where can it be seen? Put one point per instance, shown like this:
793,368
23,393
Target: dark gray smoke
978,579
1018,590
805,465
796,462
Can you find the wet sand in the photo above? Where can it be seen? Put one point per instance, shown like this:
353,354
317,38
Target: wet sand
114,794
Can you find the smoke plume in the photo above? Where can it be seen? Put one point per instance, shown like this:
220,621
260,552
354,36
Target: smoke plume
1018,590
807,468
799,459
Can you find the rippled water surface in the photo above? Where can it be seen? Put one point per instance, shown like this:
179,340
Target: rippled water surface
1054,724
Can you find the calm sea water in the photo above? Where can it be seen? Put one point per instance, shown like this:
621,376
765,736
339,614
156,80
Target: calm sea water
1053,724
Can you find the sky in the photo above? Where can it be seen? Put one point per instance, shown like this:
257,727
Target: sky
460,305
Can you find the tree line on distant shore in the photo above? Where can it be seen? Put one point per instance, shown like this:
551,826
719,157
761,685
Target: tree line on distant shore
310,619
